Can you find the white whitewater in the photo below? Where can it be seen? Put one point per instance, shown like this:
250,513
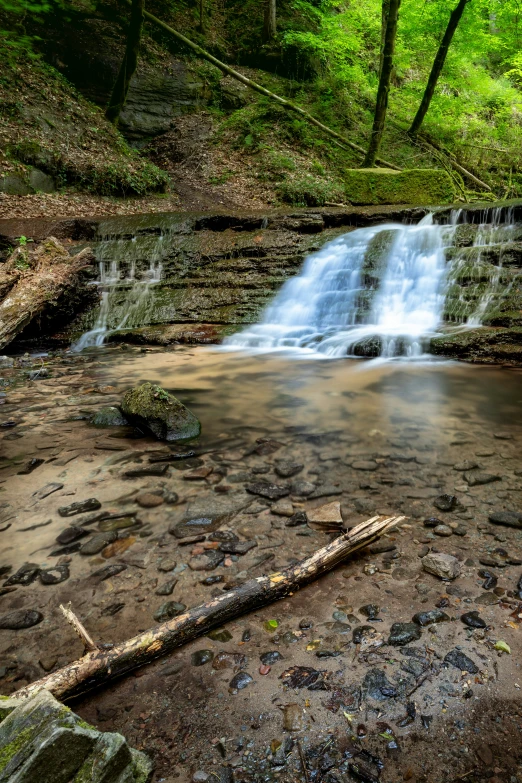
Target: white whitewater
129,310
320,310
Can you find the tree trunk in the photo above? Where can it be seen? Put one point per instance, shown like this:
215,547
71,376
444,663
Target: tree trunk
99,667
383,90
42,276
129,63
384,16
202,16
438,64
269,26
342,140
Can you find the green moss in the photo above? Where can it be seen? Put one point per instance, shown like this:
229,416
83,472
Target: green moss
143,767
12,748
385,186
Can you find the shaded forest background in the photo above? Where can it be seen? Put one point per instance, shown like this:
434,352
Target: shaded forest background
324,56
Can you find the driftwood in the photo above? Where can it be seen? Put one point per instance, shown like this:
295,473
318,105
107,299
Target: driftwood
34,279
342,140
99,667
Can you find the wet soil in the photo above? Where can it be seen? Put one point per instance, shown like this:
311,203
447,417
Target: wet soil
376,438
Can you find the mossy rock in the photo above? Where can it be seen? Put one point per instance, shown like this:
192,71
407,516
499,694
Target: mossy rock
153,409
109,416
385,186
484,345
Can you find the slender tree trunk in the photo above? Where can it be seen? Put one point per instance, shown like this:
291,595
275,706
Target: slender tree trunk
269,27
385,12
383,90
201,16
438,64
129,63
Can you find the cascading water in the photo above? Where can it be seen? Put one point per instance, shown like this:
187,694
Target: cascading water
113,281
383,285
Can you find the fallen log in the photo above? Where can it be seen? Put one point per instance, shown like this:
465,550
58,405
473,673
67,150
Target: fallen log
342,140
98,667
35,279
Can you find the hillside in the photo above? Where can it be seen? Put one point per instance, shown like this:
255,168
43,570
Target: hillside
211,141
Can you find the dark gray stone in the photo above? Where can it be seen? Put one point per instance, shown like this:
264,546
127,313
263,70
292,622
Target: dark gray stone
460,661
404,633
80,507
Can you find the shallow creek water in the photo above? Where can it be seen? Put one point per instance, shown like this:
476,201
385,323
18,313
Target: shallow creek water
377,437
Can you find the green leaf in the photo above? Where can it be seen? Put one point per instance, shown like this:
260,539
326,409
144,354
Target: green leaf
503,647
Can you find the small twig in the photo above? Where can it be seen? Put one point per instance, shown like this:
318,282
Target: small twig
71,618
303,762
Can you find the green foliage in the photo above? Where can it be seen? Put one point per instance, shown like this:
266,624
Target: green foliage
310,191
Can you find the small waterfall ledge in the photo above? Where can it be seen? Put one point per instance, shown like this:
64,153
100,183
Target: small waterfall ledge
166,278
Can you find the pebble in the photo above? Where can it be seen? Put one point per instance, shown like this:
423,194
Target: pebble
206,561
429,617
53,576
369,465
80,507
445,502
442,565
371,611
167,588
508,518
227,660
237,547
478,478
219,635
147,470
149,500
240,681
287,469
267,490
460,661
168,611
325,516
486,599
404,633
264,669
466,465
201,657
432,522
25,575
292,717
270,657
443,530
302,488
282,508
20,618
167,564
109,570
473,620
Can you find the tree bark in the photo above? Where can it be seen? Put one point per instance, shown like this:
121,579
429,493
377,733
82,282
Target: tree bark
381,104
384,17
43,275
258,88
99,667
438,64
128,64
270,21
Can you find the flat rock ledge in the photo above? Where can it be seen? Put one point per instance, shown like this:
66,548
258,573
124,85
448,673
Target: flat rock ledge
42,741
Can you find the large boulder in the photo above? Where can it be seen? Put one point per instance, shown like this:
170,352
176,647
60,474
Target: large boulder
151,408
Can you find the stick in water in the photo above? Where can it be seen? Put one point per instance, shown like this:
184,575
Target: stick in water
99,667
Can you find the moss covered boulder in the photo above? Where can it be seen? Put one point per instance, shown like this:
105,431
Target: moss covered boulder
385,186
151,408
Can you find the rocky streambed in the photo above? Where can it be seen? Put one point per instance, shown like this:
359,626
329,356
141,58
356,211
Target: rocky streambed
402,664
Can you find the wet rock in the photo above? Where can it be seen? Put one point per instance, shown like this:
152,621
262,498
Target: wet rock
223,536
25,575
302,677
270,657
267,490
292,717
325,517
361,632
167,564
364,465
376,686
110,416
443,530
53,576
206,515
118,523
80,507
381,548
198,474
109,570
212,580
206,561
432,522
147,470
237,547
20,618
324,491
486,599
287,469
30,465
466,465
473,620
490,579
71,534
167,588
200,776
227,660
297,519
371,611
283,508
445,502
152,409
219,635
168,610
460,661
302,488
404,633
98,542
478,478
442,565
47,490
149,500
507,518
429,617
240,681
201,657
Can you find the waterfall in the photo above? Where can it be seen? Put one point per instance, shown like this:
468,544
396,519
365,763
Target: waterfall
125,293
377,290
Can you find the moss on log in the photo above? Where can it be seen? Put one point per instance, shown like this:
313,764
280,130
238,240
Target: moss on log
415,186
